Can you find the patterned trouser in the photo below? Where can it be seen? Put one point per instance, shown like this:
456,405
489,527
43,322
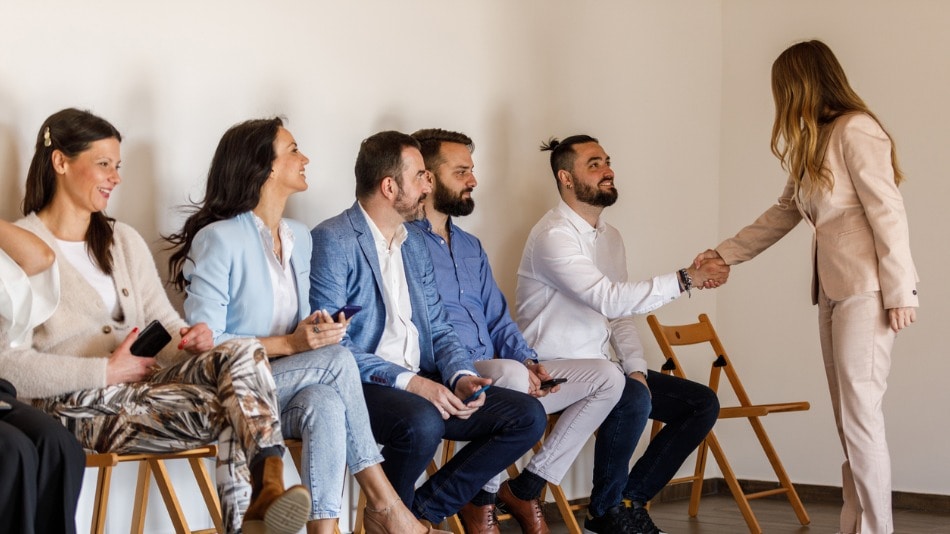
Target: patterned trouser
226,394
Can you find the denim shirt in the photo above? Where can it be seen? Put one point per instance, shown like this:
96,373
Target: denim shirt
475,305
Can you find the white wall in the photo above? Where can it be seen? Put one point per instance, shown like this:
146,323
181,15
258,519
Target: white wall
676,91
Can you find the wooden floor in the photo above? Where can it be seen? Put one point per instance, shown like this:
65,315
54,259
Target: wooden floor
718,514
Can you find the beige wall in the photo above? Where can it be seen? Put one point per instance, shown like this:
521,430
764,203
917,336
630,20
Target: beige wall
676,91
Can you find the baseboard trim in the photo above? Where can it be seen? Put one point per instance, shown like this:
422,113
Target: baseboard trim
809,493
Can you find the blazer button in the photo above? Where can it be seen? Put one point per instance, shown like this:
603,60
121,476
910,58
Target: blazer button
106,329
125,292
915,291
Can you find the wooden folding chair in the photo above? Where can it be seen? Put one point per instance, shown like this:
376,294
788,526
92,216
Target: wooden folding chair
703,332
153,464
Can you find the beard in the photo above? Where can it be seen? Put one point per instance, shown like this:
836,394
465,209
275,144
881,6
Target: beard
410,210
595,196
449,203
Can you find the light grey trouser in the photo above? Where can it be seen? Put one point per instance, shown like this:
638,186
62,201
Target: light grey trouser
592,389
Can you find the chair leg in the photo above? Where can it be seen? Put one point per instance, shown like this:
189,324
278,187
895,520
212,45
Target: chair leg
208,491
360,507
140,505
779,469
103,480
567,511
699,474
741,501
168,495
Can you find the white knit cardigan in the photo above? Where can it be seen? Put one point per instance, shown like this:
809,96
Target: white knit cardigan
69,351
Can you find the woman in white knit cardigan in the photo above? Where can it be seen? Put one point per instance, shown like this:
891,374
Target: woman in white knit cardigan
77,365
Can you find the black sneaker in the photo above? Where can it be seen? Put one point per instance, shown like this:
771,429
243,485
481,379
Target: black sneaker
615,521
641,521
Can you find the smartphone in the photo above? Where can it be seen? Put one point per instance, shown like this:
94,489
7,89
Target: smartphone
348,311
476,394
152,339
548,384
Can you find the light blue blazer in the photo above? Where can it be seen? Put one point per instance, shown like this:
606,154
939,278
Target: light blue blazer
345,270
229,286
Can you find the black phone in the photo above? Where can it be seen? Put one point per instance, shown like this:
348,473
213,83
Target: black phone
152,339
348,311
476,394
548,384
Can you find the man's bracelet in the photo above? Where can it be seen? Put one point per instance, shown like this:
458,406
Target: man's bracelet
687,281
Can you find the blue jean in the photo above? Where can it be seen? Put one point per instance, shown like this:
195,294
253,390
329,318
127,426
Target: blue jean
411,429
688,410
321,403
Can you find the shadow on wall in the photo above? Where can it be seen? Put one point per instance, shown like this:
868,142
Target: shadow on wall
11,192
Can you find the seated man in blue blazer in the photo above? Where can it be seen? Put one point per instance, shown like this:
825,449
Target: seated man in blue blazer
419,383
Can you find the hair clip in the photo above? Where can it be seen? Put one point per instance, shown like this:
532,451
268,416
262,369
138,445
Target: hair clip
46,139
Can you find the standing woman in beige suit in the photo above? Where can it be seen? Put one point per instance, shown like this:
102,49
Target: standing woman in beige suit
843,178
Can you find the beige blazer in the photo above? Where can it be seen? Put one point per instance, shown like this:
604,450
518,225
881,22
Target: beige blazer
861,241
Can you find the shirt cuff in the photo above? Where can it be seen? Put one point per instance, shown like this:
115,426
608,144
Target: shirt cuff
455,378
668,285
634,365
402,380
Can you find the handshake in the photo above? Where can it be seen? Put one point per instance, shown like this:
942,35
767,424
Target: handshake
708,270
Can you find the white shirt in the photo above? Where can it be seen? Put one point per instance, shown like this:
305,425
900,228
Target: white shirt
78,255
282,279
25,301
573,298
399,343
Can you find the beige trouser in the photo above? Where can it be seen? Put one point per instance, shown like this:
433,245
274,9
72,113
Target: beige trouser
856,342
592,389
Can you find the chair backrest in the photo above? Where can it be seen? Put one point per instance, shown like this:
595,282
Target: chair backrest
692,334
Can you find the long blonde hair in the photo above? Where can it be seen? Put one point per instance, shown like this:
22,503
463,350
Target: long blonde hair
811,91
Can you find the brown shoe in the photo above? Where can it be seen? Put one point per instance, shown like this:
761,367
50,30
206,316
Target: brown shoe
479,519
275,510
528,513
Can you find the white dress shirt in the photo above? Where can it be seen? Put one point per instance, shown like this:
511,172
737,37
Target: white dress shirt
282,279
399,343
573,298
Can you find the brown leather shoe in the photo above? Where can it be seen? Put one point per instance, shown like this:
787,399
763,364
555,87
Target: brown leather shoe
479,519
528,513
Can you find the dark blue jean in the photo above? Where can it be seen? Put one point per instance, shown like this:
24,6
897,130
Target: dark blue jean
410,429
688,410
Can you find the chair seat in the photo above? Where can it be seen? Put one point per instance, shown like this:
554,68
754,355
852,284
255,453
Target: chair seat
759,410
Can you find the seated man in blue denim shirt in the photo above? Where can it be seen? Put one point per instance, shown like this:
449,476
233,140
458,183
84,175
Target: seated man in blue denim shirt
479,313
417,378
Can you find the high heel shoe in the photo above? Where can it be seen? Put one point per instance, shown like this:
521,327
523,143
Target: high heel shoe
392,520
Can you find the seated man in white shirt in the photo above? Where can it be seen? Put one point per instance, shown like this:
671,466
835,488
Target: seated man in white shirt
574,301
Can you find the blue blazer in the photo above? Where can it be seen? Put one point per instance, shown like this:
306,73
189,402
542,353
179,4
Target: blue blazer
228,283
344,269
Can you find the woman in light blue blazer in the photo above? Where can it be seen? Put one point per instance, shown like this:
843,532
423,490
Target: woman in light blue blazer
246,273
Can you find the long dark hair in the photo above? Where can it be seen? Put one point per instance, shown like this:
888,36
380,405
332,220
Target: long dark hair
70,131
241,165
